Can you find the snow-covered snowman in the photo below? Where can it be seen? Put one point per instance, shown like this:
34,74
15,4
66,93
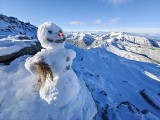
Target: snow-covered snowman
59,85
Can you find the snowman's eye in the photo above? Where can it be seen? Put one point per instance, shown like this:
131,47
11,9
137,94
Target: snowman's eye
50,32
60,31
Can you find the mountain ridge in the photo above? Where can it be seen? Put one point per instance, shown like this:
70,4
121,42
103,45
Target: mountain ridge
123,82
13,26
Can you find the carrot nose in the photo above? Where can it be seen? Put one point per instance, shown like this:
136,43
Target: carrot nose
61,34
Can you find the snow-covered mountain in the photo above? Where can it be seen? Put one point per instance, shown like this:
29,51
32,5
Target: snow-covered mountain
120,70
80,39
122,44
13,26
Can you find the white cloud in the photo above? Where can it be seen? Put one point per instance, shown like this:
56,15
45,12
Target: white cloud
110,23
116,2
150,31
114,21
134,30
98,21
76,22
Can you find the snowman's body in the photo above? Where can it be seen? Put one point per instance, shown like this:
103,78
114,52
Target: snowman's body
64,78
69,98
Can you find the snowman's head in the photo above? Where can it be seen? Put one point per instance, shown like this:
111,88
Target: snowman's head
51,36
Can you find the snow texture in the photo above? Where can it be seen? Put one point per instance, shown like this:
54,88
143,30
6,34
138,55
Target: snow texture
120,72
152,76
114,80
46,34
122,44
13,44
64,90
12,26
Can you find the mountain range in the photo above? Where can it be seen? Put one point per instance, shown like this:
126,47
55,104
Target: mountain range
121,71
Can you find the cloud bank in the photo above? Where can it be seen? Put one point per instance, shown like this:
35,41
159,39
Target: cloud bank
98,21
116,2
76,22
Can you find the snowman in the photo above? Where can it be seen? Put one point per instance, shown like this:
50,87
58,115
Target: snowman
59,85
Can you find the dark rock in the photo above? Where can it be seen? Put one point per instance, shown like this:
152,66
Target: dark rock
33,49
82,59
24,37
145,111
105,112
124,81
16,27
67,59
130,106
104,93
68,67
146,97
97,75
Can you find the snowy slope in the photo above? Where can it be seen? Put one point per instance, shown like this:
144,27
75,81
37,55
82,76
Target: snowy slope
13,44
117,68
122,44
115,83
20,98
13,26
80,39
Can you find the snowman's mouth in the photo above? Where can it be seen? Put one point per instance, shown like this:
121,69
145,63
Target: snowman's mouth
60,41
50,40
57,41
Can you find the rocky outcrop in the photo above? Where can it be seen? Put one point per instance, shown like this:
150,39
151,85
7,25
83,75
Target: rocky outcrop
31,50
80,39
13,26
131,111
151,100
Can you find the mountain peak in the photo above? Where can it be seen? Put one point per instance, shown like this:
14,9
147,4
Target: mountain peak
13,26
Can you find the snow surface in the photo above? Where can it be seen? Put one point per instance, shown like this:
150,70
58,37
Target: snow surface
151,75
12,44
12,26
110,79
108,76
64,90
113,80
44,35
65,81
122,44
111,70
20,98
153,97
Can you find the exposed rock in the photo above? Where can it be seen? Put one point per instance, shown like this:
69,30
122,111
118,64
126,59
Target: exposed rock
13,26
130,106
105,112
33,49
145,95
80,39
127,110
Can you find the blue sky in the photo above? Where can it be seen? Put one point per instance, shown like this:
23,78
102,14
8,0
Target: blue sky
104,15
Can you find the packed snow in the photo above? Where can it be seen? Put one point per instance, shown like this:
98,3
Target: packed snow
97,75
151,75
63,90
12,26
20,97
107,77
114,80
13,44
122,44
